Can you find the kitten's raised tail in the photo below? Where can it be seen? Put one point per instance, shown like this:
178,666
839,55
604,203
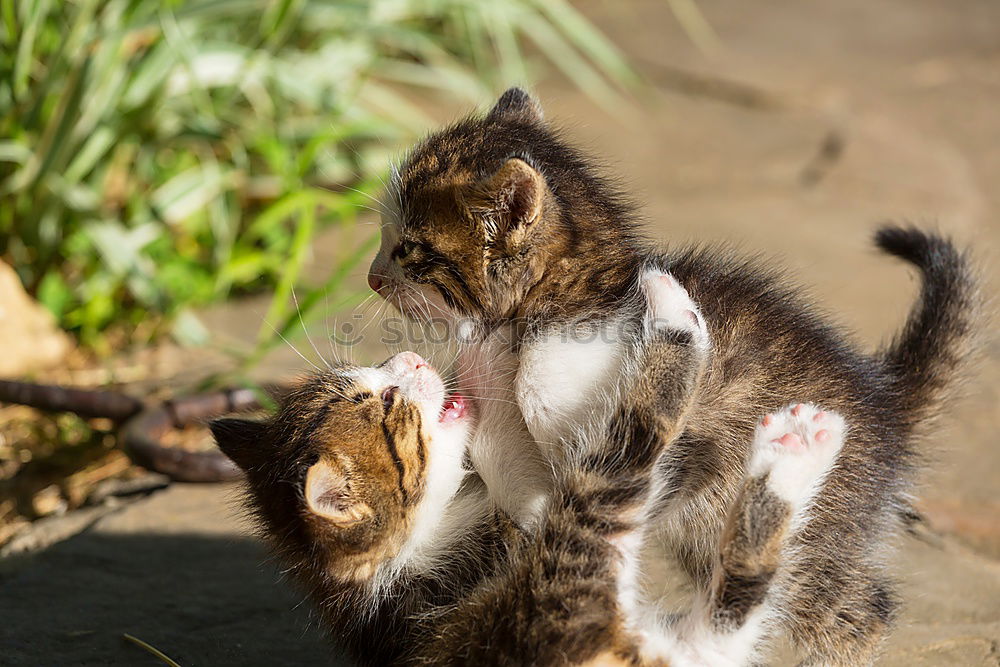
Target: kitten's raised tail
926,358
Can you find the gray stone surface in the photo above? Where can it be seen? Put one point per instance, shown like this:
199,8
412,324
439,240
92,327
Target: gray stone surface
873,111
175,570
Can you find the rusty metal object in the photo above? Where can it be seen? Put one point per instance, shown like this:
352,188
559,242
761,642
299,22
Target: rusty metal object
84,402
144,427
142,435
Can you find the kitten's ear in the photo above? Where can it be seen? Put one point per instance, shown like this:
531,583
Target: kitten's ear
516,102
240,439
510,201
329,495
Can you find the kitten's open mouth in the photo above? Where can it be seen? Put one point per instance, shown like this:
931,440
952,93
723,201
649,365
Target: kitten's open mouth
454,408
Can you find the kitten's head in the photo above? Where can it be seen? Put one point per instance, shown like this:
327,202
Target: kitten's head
354,465
495,217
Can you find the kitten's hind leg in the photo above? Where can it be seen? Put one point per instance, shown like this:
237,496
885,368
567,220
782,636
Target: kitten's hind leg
793,451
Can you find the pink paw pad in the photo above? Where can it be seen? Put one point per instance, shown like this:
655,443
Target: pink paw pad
800,426
789,440
795,447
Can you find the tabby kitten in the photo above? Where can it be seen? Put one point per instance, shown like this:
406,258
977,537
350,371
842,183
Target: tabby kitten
499,225
357,482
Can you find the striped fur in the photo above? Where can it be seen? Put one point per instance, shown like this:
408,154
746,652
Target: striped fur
508,225
496,594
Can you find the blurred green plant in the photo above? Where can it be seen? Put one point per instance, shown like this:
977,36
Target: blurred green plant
160,155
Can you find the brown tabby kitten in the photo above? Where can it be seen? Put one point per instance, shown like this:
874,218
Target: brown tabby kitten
357,482
498,224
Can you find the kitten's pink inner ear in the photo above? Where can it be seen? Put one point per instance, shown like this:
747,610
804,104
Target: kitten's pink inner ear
518,191
329,495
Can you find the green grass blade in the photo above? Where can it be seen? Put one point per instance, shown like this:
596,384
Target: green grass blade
303,235
695,25
308,305
589,41
559,51
33,14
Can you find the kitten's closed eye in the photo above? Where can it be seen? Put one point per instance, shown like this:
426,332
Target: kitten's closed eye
360,397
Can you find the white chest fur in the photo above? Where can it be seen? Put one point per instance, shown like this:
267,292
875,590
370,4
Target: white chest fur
528,405
565,376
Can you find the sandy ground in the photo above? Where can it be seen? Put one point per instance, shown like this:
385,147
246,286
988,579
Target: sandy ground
811,123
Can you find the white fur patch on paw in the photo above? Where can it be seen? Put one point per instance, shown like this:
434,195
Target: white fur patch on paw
670,307
796,447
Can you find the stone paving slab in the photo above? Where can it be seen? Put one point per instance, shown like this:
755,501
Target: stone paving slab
176,570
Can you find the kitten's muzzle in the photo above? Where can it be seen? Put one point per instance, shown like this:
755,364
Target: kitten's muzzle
406,363
415,376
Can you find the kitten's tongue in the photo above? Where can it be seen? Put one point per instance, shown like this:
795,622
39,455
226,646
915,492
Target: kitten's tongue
453,409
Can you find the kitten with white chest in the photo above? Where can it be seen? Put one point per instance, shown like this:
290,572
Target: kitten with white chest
499,224
357,484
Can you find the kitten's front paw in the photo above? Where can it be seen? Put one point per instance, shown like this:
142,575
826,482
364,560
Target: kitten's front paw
670,307
796,447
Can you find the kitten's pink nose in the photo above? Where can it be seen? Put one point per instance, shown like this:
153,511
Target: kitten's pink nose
375,282
410,361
